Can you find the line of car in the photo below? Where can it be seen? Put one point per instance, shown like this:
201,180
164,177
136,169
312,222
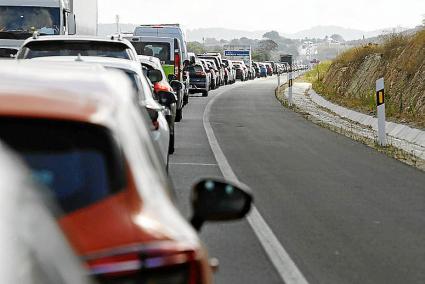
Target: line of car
93,120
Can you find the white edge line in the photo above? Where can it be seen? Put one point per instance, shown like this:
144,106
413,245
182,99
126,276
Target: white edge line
281,260
194,164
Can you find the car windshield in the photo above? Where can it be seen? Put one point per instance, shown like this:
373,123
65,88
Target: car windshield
160,50
77,162
19,20
74,48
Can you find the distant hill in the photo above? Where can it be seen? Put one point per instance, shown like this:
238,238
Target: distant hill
229,34
346,33
222,33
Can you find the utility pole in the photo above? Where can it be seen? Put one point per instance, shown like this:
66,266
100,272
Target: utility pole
117,21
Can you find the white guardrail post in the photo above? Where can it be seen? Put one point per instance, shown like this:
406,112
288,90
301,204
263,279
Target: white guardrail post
278,79
380,102
290,83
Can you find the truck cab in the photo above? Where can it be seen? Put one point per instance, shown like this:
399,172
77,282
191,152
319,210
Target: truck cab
20,19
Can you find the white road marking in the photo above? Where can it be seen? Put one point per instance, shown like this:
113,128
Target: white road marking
283,263
194,164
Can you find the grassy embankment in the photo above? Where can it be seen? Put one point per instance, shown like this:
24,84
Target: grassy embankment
350,79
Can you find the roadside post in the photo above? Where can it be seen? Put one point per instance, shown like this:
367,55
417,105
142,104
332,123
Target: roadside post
290,83
380,102
278,79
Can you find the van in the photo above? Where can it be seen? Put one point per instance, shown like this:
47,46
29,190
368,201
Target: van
165,30
168,50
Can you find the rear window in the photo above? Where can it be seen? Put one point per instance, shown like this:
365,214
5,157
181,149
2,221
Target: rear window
215,59
195,69
161,50
75,48
81,164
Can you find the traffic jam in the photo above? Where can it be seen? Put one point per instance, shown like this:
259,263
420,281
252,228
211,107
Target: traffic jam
87,126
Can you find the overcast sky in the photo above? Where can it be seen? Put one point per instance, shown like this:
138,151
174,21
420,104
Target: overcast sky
281,15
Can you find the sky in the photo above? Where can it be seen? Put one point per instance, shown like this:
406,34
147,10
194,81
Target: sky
281,15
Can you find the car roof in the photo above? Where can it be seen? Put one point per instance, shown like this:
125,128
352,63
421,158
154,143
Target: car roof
111,39
78,38
154,61
72,91
150,38
112,62
107,62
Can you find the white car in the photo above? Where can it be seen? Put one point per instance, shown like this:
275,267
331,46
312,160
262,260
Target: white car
133,70
62,45
34,249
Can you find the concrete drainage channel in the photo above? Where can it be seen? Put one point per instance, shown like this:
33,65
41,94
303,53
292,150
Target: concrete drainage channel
409,149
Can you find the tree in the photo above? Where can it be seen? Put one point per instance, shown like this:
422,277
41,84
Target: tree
268,45
264,50
337,37
196,47
273,35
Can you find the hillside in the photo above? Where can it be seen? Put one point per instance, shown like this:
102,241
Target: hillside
350,79
346,33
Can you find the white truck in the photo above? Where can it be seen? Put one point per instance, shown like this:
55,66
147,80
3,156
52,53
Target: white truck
19,19
239,53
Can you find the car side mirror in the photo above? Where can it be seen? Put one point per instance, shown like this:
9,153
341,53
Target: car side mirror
154,76
214,200
166,98
176,85
172,77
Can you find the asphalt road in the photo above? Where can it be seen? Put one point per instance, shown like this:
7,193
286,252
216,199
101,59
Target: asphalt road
343,212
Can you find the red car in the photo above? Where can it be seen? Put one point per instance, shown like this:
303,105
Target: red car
83,136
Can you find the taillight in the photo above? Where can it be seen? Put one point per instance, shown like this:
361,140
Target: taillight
153,114
161,87
177,65
179,268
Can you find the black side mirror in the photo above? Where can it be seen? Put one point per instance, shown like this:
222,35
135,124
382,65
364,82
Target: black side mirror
176,85
154,76
214,200
166,98
172,77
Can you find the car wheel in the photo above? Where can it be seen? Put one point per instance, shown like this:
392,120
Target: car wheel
171,146
205,93
179,115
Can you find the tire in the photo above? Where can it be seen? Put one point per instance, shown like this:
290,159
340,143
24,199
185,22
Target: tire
185,99
205,93
179,115
171,146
